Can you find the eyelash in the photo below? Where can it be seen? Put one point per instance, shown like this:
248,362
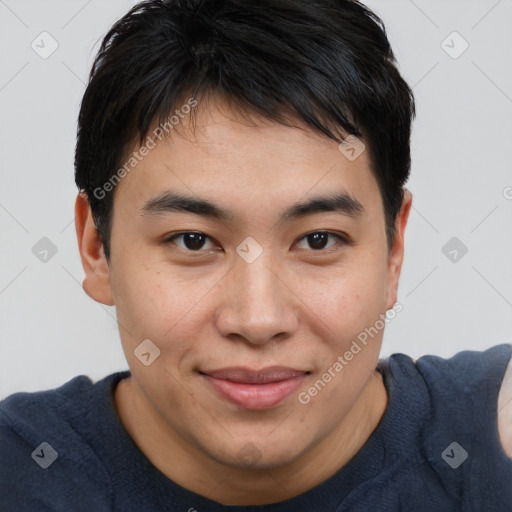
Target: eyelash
341,240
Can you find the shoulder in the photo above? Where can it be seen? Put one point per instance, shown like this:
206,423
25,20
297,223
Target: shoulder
459,413
45,451
463,374
21,410
484,381
505,411
468,393
27,413
468,371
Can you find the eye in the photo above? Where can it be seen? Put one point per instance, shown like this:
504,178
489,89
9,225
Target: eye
190,241
193,241
319,239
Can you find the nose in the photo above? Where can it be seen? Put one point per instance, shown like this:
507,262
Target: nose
257,303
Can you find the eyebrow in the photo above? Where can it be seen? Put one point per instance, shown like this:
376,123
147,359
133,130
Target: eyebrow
169,202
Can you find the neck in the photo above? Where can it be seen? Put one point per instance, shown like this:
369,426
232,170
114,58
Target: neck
194,470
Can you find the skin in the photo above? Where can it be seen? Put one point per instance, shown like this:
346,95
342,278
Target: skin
293,306
505,411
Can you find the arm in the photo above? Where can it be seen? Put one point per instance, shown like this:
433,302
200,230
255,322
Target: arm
505,411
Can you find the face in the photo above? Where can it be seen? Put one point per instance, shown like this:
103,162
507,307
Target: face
250,300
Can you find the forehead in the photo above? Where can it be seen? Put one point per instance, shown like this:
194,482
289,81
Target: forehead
225,155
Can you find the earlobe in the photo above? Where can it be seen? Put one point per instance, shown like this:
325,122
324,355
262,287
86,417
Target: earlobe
96,283
396,253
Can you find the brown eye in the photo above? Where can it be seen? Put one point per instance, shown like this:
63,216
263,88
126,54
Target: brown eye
190,241
318,241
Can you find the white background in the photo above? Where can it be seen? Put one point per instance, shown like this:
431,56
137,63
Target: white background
50,331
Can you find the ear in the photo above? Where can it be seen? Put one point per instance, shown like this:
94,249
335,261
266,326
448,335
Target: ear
396,253
97,275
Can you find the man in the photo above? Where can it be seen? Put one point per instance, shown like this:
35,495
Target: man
241,168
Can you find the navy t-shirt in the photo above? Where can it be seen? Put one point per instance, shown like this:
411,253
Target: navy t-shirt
436,449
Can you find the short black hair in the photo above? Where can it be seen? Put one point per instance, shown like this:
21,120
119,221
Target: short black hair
325,63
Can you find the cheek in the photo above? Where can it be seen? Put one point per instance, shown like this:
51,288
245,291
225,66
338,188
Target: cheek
352,307
350,300
159,302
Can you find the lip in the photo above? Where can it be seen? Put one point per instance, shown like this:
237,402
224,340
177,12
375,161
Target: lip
255,389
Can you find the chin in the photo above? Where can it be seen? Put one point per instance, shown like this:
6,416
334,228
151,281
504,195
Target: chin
259,454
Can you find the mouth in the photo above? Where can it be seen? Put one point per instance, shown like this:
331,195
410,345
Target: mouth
255,389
